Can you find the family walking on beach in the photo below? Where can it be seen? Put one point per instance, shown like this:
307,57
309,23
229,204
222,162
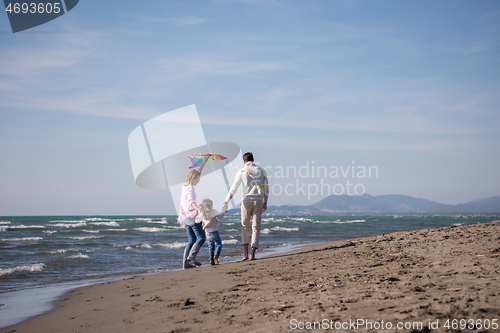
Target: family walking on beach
201,221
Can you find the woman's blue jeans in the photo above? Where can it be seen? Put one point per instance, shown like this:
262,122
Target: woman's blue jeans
214,244
195,234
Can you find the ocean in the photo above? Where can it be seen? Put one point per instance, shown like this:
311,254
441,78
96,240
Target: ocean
46,250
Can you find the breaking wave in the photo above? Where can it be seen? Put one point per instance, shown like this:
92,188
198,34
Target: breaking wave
176,245
277,228
78,256
24,239
149,229
28,268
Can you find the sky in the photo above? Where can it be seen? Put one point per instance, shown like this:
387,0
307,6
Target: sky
409,88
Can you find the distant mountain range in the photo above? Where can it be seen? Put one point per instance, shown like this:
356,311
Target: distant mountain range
393,203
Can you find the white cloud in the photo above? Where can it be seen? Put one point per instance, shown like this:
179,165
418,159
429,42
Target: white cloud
305,143
63,51
94,105
213,65
406,106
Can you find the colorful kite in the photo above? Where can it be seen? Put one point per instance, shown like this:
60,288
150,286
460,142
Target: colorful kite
197,159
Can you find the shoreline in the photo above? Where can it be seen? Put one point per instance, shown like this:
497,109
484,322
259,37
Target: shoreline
421,275
18,306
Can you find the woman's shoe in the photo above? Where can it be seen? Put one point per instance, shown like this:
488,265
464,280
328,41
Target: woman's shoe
194,261
188,265
212,263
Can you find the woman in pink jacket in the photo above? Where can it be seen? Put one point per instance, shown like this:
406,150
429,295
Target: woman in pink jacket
187,218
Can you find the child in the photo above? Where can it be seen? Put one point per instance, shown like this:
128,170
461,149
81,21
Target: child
210,223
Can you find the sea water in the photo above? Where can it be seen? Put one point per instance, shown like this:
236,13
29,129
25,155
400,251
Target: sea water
40,251
44,256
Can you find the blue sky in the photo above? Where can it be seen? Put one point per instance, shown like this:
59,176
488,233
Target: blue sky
412,87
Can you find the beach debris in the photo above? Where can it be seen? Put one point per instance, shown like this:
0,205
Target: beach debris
283,307
488,255
348,243
440,262
173,305
393,279
188,302
154,299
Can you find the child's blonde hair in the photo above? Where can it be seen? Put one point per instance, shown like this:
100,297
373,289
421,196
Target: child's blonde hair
206,209
192,176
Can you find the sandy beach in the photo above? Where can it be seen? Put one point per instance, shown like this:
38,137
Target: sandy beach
432,277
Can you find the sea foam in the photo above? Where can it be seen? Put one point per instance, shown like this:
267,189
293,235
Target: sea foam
109,224
78,256
59,251
277,228
69,225
29,268
95,219
340,221
24,239
354,221
22,226
149,229
67,221
85,237
176,245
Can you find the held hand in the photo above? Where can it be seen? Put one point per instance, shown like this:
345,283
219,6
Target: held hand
225,207
195,206
265,207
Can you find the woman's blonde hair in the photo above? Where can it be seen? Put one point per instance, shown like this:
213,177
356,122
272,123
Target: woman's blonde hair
206,209
192,176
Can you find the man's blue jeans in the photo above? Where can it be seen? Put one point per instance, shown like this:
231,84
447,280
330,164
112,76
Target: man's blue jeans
214,244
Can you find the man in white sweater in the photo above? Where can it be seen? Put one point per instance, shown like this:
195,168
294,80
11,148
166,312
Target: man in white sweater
253,201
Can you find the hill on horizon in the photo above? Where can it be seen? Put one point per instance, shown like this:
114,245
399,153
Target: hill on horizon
390,203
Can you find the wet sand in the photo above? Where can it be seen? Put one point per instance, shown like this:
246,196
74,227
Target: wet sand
424,276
